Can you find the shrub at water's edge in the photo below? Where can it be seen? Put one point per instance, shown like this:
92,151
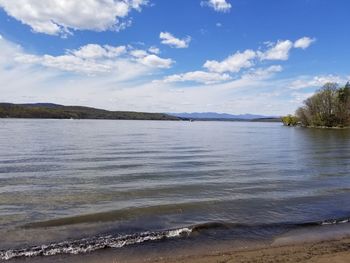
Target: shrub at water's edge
328,107
290,120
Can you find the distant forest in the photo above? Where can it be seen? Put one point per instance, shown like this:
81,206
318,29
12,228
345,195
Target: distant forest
328,107
55,111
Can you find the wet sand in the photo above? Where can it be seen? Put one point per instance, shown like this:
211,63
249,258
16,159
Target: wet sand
322,252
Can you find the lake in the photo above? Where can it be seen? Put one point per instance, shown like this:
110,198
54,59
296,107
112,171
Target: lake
75,186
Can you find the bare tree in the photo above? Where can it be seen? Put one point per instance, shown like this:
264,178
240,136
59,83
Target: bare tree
329,106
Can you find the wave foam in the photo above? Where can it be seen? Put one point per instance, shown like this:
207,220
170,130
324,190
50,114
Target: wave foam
89,245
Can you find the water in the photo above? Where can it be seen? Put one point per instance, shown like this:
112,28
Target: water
73,186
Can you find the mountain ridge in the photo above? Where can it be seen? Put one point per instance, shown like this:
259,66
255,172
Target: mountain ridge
57,111
221,116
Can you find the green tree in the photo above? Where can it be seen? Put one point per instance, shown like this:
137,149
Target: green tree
329,107
290,120
343,97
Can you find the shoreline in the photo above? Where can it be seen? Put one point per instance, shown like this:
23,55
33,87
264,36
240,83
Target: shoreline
331,244
318,127
335,251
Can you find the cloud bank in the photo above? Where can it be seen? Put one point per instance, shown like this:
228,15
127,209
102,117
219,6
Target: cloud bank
120,78
94,59
218,71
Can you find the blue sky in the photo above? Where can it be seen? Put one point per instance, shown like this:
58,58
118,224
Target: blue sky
233,56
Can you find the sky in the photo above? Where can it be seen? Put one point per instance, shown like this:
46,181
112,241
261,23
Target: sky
232,56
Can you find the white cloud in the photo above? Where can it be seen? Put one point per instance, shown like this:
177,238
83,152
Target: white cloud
66,63
93,51
138,53
280,51
213,77
151,60
220,71
262,73
60,16
218,5
95,59
233,63
247,59
168,39
154,50
198,76
155,61
304,42
316,81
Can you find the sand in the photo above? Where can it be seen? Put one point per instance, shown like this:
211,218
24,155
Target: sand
328,251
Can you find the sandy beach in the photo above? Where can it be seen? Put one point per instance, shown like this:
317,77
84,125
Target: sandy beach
328,251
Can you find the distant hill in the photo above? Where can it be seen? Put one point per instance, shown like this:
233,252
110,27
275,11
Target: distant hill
220,116
56,111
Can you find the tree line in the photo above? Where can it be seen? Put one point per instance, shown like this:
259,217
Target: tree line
328,107
54,111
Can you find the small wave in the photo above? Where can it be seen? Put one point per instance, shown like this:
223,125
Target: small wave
214,225
256,227
89,245
116,215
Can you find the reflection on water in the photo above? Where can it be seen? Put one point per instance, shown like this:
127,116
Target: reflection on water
62,178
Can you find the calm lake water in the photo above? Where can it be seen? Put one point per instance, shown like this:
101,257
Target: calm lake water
82,185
